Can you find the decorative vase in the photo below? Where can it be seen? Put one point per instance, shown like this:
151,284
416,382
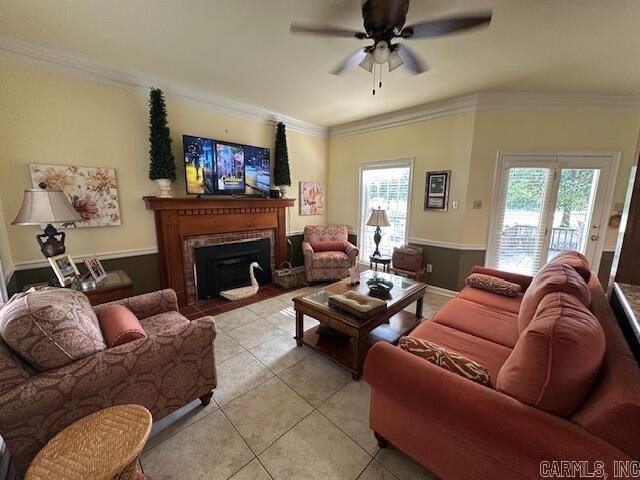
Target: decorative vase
283,190
164,184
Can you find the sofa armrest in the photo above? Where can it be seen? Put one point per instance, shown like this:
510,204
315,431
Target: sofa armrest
352,251
504,427
162,371
307,249
147,304
523,280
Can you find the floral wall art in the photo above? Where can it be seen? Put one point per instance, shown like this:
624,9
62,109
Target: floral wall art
312,198
93,191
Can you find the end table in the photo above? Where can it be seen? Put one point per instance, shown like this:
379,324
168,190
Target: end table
384,261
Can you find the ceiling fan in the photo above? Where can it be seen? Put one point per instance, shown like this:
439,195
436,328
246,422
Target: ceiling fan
384,21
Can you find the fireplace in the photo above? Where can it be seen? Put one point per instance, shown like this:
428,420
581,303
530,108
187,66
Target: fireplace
226,266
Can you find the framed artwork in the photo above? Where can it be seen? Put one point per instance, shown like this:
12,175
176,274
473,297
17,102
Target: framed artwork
64,268
312,198
436,190
95,268
93,191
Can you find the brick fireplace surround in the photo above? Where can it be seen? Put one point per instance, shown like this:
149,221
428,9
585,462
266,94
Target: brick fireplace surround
183,223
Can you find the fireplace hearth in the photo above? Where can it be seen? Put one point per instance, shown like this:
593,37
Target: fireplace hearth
226,266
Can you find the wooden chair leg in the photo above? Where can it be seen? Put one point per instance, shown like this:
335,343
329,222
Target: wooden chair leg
206,399
382,442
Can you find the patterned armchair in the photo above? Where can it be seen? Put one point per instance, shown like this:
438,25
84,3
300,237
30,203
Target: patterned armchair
170,367
331,264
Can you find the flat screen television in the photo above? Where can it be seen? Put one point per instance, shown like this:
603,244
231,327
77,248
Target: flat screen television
214,167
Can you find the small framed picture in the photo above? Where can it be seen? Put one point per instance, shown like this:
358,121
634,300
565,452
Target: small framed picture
95,268
64,268
436,192
354,275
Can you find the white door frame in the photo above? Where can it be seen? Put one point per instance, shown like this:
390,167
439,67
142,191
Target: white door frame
543,157
395,162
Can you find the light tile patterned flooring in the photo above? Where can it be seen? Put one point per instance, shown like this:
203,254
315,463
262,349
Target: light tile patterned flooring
280,412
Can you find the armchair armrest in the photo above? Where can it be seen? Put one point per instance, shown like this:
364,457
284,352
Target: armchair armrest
482,418
147,304
307,249
523,280
352,251
163,371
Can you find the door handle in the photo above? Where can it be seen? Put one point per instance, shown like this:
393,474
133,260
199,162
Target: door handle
595,238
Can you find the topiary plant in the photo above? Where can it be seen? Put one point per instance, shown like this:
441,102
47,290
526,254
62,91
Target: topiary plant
161,161
281,173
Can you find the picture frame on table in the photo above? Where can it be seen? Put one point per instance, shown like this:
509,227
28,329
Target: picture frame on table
436,190
65,269
95,268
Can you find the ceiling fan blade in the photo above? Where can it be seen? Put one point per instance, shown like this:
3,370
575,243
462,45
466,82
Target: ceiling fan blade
444,26
326,31
350,61
410,59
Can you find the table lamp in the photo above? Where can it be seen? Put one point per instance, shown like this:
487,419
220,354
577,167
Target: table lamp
44,206
378,219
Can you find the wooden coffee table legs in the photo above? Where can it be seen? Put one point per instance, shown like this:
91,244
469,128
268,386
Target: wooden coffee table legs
419,308
299,327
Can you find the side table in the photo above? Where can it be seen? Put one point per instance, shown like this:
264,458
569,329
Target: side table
384,261
105,444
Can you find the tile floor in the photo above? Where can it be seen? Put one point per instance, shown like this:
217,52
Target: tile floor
279,412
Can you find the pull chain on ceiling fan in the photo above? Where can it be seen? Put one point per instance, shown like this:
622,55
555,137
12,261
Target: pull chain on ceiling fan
384,21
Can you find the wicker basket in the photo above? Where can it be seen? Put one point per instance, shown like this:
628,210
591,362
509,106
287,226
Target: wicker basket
289,277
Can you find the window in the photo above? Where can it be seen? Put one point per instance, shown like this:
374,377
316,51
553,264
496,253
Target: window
387,186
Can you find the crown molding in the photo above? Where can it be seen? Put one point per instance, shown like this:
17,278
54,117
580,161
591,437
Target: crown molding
420,113
59,62
479,101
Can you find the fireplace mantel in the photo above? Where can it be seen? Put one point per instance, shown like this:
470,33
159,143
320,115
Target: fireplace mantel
181,217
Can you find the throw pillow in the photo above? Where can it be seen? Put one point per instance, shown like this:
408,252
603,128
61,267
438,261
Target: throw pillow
493,284
556,358
328,246
119,325
50,328
446,359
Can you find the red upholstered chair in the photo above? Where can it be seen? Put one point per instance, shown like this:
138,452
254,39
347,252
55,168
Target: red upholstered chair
53,378
328,255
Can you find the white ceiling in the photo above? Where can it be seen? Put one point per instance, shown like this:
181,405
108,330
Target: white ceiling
242,49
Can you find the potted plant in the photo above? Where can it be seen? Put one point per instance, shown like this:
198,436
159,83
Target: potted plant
281,173
162,168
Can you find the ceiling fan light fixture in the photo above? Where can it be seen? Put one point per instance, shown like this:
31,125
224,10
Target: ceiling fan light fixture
395,61
367,63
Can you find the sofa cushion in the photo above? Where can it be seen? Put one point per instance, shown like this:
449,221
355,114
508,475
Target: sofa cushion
119,325
483,321
488,354
320,233
13,371
330,260
553,277
493,284
51,327
163,321
442,357
328,246
557,357
508,304
574,259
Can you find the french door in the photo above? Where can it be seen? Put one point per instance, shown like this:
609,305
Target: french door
385,185
548,203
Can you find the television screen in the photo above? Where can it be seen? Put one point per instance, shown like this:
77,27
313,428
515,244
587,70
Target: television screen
198,164
257,177
229,167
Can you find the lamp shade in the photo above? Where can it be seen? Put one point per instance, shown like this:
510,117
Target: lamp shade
378,218
45,206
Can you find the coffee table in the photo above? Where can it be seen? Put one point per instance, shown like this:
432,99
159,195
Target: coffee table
358,335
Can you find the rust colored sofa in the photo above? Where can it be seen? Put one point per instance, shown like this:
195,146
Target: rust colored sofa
170,367
328,264
459,429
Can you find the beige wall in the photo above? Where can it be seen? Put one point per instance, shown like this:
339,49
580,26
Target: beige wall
537,129
5,252
439,144
467,144
57,119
